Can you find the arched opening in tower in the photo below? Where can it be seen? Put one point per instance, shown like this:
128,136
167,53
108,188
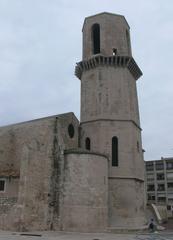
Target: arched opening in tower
128,42
87,143
115,151
96,38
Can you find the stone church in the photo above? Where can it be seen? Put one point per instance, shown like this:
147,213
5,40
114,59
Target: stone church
57,173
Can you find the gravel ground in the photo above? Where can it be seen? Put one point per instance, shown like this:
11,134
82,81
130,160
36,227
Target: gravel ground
84,236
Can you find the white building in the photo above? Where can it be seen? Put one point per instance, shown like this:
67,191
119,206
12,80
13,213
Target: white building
159,182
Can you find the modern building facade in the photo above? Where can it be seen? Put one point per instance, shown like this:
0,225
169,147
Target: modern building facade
59,173
159,182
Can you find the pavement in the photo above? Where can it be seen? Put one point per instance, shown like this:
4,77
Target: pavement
165,235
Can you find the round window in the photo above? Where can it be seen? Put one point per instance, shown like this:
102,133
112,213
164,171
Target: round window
71,130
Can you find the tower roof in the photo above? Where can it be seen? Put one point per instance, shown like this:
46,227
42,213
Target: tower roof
105,13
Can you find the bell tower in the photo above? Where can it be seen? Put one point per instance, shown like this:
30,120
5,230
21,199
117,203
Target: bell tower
98,38
110,122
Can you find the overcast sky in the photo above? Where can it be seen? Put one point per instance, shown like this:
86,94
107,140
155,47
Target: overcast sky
40,42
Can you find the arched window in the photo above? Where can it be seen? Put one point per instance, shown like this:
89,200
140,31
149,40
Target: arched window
96,38
87,143
114,151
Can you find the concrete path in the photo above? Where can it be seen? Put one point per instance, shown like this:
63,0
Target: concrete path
84,236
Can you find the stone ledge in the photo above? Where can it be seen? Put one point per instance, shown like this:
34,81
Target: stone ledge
114,61
113,120
127,178
81,151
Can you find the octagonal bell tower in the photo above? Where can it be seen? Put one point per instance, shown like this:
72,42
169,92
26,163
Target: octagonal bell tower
109,113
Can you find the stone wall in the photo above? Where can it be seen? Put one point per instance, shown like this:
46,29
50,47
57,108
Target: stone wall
85,192
109,93
129,155
9,152
126,203
34,149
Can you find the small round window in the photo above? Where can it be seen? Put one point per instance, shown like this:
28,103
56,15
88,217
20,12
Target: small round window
71,130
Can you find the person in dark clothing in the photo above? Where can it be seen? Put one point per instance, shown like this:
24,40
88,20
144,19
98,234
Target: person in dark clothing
151,225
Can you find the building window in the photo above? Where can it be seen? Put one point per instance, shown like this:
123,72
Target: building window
2,185
170,185
71,130
96,38
150,187
149,166
87,143
150,177
170,176
169,165
159,166
114,151
170,199
160,176
168,207
161,199
151,197
161,187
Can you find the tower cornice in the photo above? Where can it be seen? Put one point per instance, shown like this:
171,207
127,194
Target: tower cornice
114,61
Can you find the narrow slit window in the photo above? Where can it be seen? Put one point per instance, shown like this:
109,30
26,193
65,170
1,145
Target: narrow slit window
71,130
115,152
128,42
138,146
87,143
2,185
96,38
114,51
